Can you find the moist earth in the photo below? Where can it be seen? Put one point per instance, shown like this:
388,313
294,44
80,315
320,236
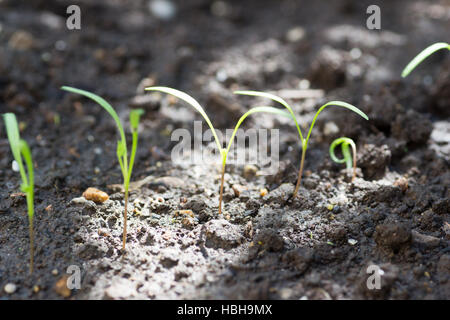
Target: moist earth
266,245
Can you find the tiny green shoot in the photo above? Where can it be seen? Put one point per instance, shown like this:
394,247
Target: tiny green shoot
223,151
20,149
347,157
423,55
304,141
122,151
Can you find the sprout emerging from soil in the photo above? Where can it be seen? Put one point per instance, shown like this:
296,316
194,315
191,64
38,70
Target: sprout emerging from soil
423,55
303,140
347,157
20,149
122,151
223,151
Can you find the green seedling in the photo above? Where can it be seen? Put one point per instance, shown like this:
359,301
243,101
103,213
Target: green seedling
347,157
423,55
20,149
122,151
223,151
303,140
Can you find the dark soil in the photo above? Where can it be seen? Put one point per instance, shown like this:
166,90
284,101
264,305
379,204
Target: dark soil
317,246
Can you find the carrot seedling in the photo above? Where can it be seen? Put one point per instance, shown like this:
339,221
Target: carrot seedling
20,149
122,151
302,139
423,55
347,157
223,151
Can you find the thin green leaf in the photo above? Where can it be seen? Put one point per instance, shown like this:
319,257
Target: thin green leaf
334,103
423,55
122,152
191,101
102,102
29,189
344,142
12,131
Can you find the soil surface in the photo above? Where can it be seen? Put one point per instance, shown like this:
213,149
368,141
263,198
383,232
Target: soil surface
395,215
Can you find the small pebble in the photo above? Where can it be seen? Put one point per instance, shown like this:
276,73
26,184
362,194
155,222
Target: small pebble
55,272
352,242
295,34
36,289
330,128
61,287
184,213
10,288
250,171
263,192
95,195
162,9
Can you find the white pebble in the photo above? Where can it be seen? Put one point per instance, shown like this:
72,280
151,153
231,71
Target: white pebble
352,242
162,9
295,34
10,288
330,128
15,166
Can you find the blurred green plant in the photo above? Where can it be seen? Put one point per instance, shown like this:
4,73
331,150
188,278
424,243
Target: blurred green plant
20,149
122,151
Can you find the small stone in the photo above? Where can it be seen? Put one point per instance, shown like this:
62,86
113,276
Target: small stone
61,287
10,288
330,207
162,9
36,289
281,194
146,101
95,195
330,128
295,34
21,40
55,272
263,192
103,232
250,171
286,293
352,242
401,183
425,240
146,82
238,189
184,213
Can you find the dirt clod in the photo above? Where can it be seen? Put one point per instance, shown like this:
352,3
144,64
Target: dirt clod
222,234
393,236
